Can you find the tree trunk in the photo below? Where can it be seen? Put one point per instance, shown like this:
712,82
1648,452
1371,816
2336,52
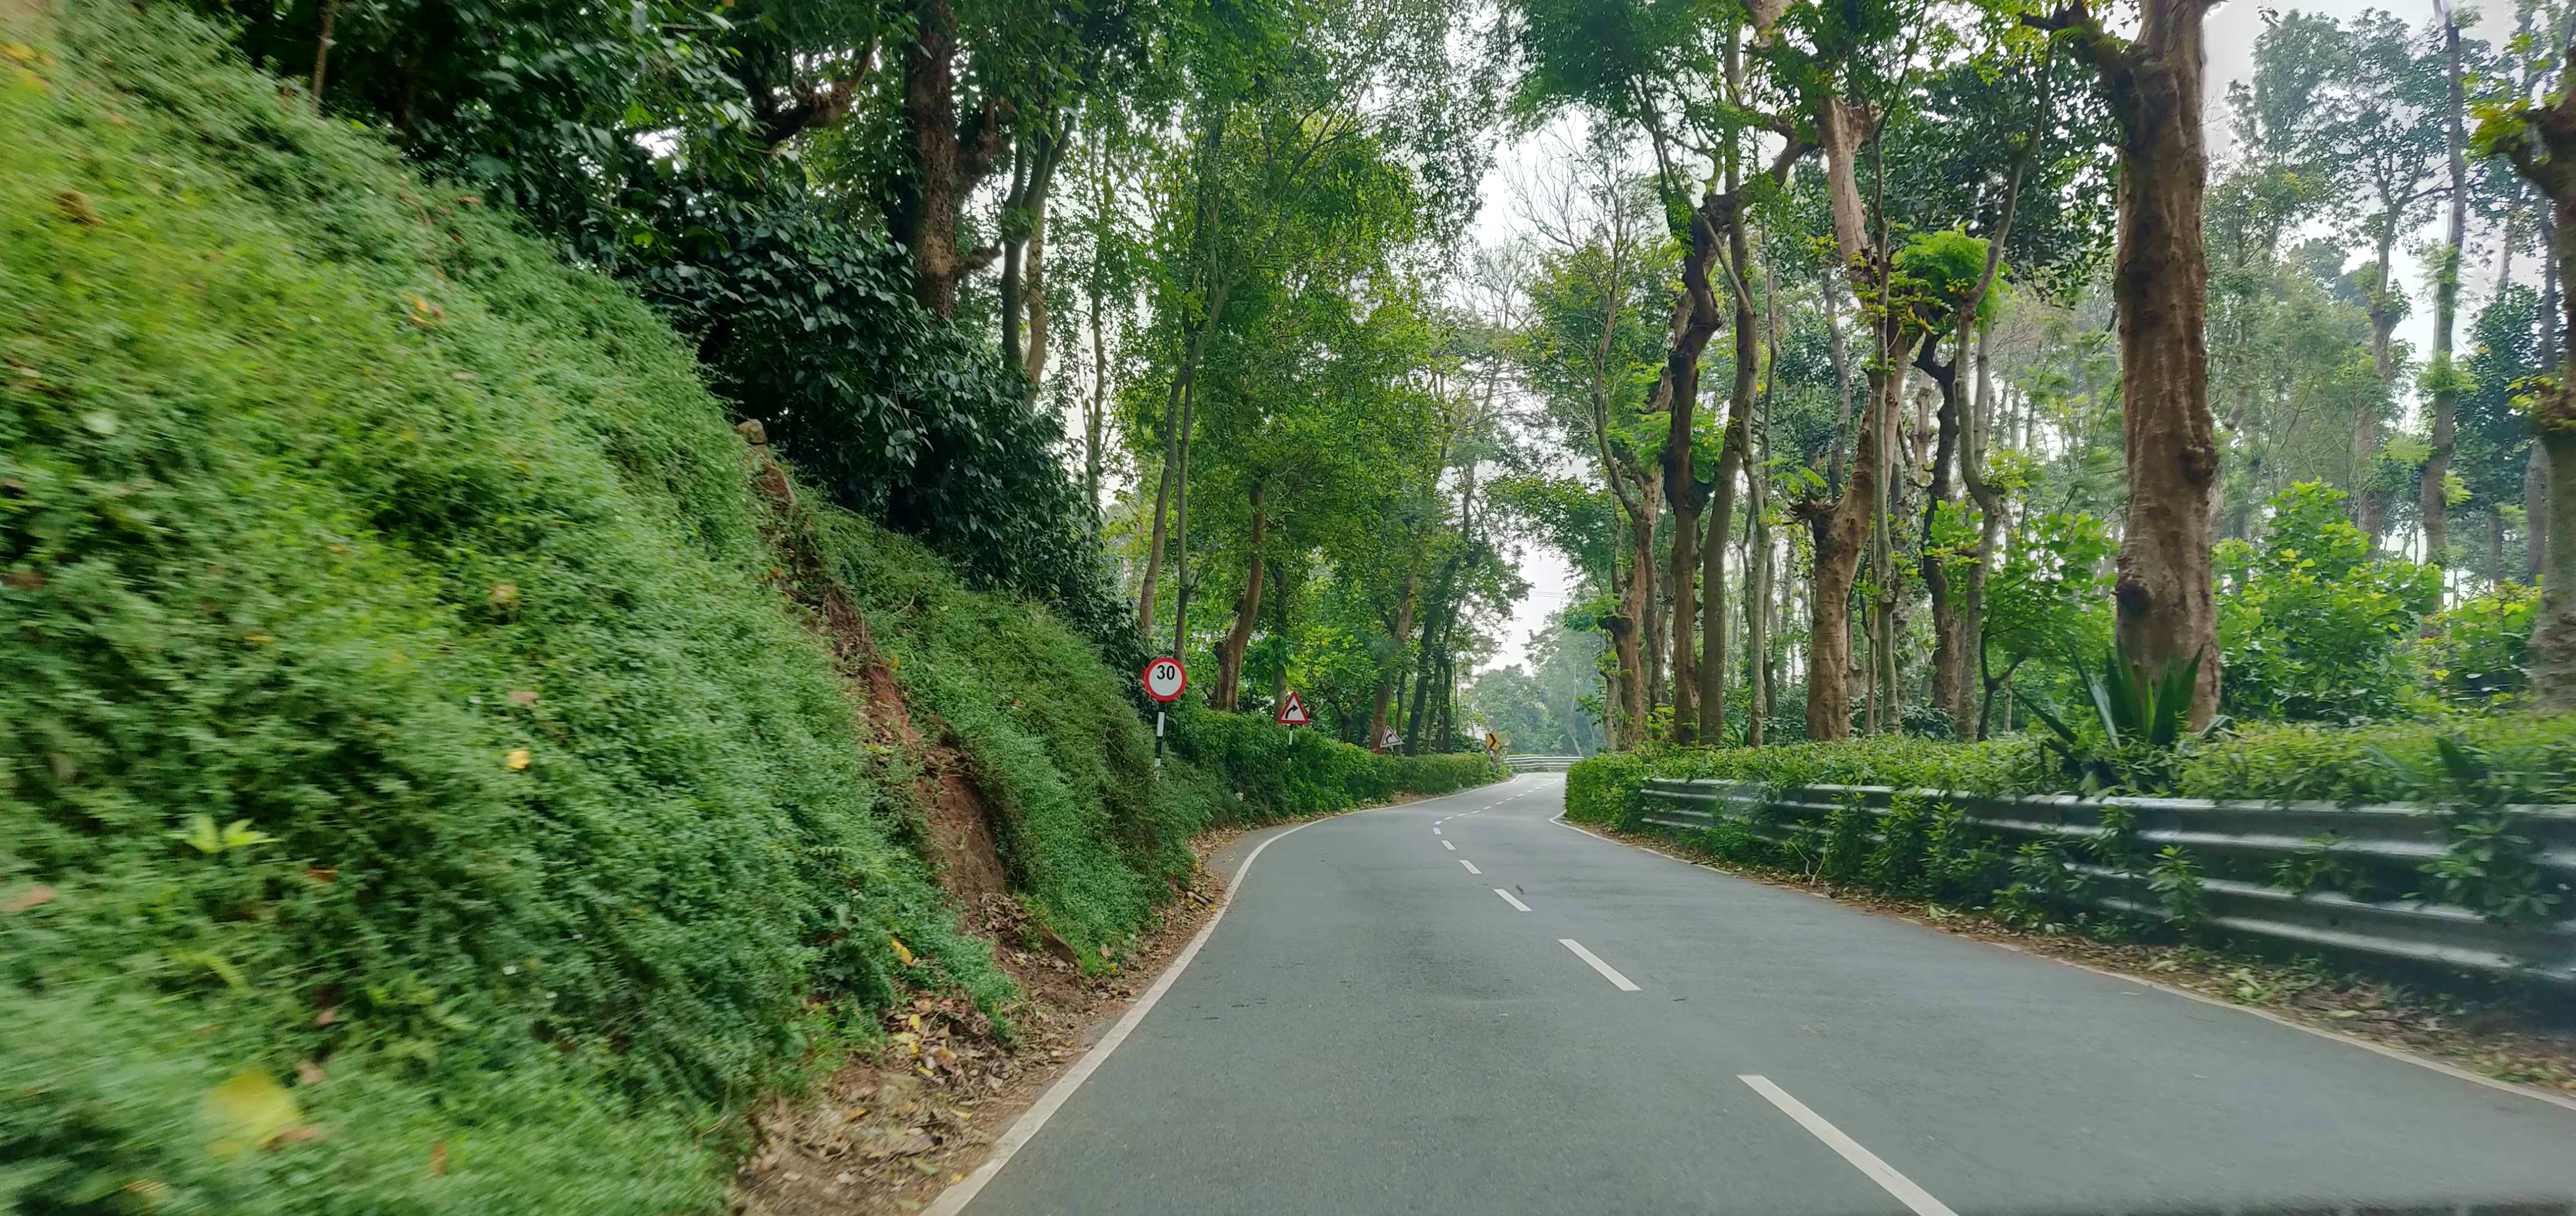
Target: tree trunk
1034,358
1990,524
322,48
1194,336
1949,645
1229,661
1279,629
1758,576
2160,291
1638,604
948,159
2535,472
1732,448
1841,528
1620,698
1386,686
2553,424
1095,413
2366,513
1006,286
1682,567
2432,499
1837,349
1181,538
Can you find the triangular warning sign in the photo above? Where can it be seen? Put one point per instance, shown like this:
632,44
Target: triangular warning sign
1292,712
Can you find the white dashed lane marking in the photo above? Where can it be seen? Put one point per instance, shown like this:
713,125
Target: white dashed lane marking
1607,971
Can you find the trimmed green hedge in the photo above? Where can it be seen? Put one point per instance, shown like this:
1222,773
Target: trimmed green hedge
2529,758
1603,789
1280,771
2469,767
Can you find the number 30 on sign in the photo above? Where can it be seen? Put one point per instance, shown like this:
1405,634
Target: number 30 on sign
1164,679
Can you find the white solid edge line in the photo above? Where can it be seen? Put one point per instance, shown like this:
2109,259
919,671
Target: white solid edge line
1446,845
1471,866
955,1198
1880,1172
2337,1036
1507,898
1607,971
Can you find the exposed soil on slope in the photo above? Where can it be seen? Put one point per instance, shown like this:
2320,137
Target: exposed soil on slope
956,821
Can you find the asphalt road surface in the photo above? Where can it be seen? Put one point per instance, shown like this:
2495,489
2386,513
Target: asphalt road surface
1461,1006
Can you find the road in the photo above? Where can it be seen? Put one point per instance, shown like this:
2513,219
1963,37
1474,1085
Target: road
1460,1006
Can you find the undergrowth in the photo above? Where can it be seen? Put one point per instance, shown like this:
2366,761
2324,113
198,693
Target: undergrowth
402,764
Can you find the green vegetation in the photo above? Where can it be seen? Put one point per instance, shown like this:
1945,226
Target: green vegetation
409,763
2534,758
1921,847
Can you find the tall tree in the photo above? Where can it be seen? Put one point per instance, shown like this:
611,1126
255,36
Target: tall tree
2433,498
2540,139
2393,139
2160,288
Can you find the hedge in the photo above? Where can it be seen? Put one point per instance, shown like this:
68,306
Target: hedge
2470,768
1280,771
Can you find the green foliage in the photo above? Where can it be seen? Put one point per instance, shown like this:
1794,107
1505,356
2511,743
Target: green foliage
1064,764
546,103
808,324
2532,756
2320,866
1898,862
2476,653
2048,597
336,511
2175,880
1277,770
2134,739
1847,831
2489,864
2312,625
1934,273
1603,789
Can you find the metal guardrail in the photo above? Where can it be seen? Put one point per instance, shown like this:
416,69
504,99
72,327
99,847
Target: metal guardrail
2415,931
1540,764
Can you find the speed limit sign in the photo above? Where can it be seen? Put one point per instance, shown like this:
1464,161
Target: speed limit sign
1164,679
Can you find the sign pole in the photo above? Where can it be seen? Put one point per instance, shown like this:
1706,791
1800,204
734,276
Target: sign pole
1164,680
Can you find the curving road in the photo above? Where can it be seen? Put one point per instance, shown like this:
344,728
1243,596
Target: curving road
1460,1006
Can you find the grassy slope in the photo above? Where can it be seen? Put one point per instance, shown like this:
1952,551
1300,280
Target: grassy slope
308,470
310,476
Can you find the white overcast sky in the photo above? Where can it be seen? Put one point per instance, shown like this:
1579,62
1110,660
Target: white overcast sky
2232,28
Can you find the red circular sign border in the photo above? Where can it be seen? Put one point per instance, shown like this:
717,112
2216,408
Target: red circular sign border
1144,677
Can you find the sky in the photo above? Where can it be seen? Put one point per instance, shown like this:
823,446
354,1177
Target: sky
2231,30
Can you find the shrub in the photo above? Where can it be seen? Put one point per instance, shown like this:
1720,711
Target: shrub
2389,763
2476,654
1603,789
807,323
1280,770
2312,627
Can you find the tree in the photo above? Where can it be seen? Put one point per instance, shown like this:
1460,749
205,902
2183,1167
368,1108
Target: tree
2393,137
2160,283
2540,139
1589,351
2444,381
